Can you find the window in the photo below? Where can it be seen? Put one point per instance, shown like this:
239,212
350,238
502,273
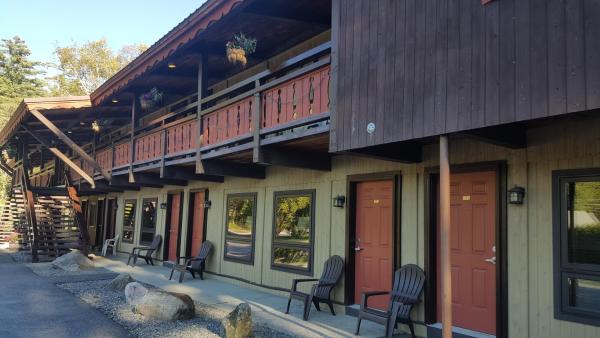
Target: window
293,231
239,229
577,245
129,221
148,220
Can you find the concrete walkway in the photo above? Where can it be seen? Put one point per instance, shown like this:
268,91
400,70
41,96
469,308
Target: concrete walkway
266,307
32,306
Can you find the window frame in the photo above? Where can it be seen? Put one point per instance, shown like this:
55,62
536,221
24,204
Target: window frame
227,236
144,200
131,228
563,269
275,243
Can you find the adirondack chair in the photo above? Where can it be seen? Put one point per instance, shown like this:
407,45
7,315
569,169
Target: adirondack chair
407,288
321,291
193,264
110,243
145,252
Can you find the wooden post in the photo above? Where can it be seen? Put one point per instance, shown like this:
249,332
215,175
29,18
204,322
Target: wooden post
446,296
131,139
29,202
202,70
84,236
163,143
257,156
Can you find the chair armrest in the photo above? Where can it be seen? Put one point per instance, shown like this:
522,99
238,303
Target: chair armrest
364,298
326,284
405,299
295,282
183,257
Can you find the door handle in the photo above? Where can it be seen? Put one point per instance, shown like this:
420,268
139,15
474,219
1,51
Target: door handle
357,249
491,260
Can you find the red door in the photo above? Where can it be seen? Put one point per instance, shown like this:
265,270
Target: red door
197,222
174,226
472,244
374,240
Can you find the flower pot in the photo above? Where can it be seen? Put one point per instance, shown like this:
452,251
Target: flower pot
237,55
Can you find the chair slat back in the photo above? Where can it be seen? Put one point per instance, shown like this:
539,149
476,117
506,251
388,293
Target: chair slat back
205,250
156,242
332,272
408,283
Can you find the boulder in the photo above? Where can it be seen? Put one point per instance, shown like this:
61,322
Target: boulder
73,261
120,282
238,323
134,292
163,305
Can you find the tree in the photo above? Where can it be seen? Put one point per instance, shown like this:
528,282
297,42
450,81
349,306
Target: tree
83,68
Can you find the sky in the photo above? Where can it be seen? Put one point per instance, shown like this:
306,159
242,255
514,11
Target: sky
45,24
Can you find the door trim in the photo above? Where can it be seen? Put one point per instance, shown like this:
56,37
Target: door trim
351,182
167,235
190,220
431,175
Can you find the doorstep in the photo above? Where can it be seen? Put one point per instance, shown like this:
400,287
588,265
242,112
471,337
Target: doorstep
435,331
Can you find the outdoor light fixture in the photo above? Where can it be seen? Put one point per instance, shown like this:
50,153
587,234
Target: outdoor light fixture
171,65
69,132
115,101
516,195
339,201
96,126
115,206
163,205
207,204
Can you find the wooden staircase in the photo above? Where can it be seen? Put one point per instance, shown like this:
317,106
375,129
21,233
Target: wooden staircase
56,228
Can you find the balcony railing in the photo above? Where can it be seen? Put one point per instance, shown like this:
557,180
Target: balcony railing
293,96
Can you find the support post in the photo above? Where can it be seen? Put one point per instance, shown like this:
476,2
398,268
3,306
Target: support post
257,156
202,70
131,139
29,202
84,236
446,296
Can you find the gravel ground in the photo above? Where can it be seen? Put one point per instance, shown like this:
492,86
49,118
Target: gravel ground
207,322
47,270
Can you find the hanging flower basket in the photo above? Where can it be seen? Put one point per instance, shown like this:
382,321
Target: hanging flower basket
239,48
151,99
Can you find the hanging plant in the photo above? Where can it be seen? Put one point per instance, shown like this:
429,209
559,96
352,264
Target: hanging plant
151,99
239,48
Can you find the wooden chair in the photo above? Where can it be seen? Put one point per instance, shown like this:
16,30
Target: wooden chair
320,292
148,251
112,244
405,294
193,264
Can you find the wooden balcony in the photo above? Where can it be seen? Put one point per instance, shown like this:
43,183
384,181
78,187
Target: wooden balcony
274,106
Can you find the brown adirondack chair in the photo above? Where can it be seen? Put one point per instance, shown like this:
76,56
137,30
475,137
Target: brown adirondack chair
193,264
405,294
145,252
321,291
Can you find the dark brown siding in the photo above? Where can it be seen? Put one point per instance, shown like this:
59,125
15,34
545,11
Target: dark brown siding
419,68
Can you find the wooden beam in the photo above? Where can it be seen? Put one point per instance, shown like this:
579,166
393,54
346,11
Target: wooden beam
84,236
66,140
29,202
257,123
155,179
510,136
445,233
202,76
131,135
48,144
226,168
296,159
189,174
404,152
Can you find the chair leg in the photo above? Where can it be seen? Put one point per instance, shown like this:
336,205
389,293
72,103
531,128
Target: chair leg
151,261
287,310
307,306
392,319
316,302
330,303
181,276
129,259
412,329
193,274
201,273
357,331
171,277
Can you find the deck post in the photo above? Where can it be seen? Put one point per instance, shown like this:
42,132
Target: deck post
29,202
202,70
257,156
446,296
131,139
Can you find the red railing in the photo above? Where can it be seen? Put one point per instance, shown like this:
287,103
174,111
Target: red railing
122,154
88,169
148,147
232,121
104,159
74,174
182,137
301,97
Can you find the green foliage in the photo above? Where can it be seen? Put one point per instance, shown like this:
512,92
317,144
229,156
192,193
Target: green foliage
240,215
83,68
293,217
241,41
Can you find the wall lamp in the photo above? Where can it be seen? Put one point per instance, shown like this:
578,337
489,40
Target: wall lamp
207,204
163,205
339,201
516,195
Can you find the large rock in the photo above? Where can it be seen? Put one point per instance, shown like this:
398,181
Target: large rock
159,304
120,282
134,292
73,261
238,323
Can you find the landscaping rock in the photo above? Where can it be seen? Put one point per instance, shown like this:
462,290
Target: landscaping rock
238,323
120,282
163,305
73,261
134,292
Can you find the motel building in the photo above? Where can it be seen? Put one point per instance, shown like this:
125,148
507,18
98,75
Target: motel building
458,136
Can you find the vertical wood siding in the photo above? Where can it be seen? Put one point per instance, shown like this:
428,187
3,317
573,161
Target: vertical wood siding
418,68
